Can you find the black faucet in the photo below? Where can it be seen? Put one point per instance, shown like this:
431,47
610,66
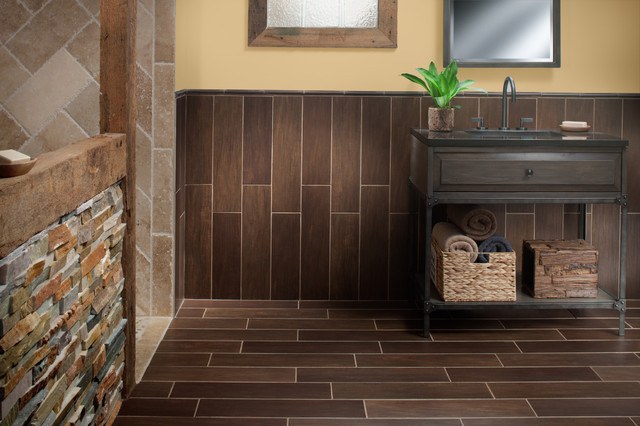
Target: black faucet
507,81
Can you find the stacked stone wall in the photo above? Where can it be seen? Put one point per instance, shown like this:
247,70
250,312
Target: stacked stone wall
61,319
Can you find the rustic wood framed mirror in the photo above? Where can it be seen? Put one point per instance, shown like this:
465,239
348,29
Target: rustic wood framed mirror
323,23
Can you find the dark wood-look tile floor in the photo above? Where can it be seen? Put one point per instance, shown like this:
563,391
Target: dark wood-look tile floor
238,363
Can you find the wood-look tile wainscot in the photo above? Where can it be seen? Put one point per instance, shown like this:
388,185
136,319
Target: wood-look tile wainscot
304,196
306,363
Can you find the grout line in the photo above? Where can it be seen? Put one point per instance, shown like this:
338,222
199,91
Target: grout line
330,198
242,188
358,283
270,280
197,406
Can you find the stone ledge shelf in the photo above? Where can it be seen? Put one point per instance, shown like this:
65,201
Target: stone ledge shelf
58,183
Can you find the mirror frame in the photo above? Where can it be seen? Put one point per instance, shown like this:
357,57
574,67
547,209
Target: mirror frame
448,44
383,36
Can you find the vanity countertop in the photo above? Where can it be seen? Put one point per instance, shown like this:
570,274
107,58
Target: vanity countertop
555,139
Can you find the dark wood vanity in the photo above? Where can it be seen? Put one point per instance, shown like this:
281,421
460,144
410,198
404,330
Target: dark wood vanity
475,167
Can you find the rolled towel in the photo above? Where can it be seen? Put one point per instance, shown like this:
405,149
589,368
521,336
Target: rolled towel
450,238
494,244
475,222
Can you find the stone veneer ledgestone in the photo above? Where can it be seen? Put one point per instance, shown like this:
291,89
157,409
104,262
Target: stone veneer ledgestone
61,318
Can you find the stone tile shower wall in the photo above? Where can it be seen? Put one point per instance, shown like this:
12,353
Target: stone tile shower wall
61,351
49,97
155,153
49,73
305,196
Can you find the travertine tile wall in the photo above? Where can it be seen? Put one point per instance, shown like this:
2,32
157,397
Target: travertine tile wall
155,146
49,73
304,195
49,97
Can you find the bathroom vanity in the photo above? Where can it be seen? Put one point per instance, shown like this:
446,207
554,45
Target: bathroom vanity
513,166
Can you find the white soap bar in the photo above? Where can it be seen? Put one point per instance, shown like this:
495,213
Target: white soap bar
575,123
11,156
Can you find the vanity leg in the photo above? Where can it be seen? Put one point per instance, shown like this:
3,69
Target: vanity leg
426,326
623,263
427,263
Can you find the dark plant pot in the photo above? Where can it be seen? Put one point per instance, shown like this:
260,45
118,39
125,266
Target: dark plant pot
441,119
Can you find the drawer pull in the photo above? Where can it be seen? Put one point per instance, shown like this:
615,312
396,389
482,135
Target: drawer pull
529,172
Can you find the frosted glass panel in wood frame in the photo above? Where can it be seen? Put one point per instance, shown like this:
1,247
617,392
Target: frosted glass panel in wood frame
322,13
323,23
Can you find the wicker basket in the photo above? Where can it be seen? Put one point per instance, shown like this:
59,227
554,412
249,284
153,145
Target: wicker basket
459,280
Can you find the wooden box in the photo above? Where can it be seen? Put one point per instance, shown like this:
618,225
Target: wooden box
460,280
559,268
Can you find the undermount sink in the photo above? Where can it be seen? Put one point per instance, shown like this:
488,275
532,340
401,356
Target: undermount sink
507,134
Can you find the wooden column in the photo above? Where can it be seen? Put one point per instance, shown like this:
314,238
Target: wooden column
117,115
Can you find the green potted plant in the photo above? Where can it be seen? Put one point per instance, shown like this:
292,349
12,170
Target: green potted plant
442,87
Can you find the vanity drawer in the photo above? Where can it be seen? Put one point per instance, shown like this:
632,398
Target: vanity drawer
527,171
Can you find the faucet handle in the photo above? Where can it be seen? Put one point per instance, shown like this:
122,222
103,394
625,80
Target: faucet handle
524,120
480,121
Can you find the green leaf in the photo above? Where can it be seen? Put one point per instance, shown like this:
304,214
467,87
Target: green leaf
416,80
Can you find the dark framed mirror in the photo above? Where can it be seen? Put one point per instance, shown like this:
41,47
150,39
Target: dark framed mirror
502,33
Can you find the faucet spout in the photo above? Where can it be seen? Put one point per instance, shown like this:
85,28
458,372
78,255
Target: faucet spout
508,82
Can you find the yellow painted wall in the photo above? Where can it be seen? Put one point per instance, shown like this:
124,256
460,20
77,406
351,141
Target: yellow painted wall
600,52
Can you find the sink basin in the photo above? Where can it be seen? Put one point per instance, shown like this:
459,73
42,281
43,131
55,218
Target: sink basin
513,134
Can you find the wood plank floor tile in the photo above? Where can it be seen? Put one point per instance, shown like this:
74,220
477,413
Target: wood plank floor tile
369,305
199,346
282,360
449,347
280,408
374,422
190,313
376,314
551,421
252,390
519,374
440,324
586,407
448,408
208,334
569,360
170,360
612,374
200,421
373,374
513,313
219,374
410,391
633,322
561,323
152,390
311,324
265,313
581,346
458,335
312,363
159,407
311,347
565,390
607,334
240,304
204,323
359,335
430,360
